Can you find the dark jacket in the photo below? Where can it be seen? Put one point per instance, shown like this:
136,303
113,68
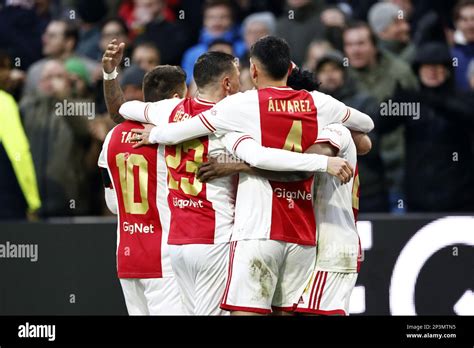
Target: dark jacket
299,27
374,191
58,146
439,153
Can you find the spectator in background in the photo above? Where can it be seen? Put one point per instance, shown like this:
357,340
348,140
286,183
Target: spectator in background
146,56
131,83
378,73
113,28
375,70
300,25
218,24
91,14
19,191
59,139
256,26
59,42
221,45
21,30
463,50
160,31
439,166
334,20
79,78
335,81
392,29
316,50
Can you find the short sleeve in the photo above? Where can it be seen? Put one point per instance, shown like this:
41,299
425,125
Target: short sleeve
153,113
229,114
335,134
329,109
102,161
159,112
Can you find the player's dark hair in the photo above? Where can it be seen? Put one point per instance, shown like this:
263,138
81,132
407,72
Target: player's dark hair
210,67
302,79
362,25
163,82
274,54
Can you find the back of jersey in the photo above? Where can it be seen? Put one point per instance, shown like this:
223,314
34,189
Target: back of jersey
141,245
288,121
201,213
336,208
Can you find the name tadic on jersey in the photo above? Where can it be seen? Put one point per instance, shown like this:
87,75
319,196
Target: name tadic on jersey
141,236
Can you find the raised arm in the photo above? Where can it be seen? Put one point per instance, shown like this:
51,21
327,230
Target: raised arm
112,92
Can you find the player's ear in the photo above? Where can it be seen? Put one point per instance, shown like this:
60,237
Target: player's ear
253,71
226,84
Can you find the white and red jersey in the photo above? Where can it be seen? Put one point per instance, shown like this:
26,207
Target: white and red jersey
201,213
274,119
285,119
143,215
336,208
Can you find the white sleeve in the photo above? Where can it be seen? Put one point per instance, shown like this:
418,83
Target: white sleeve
177,132
134,110
335,134
154,113
102,161
111,200
246,148
225,116
331,110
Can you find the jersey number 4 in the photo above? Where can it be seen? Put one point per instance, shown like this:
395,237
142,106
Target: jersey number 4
127,182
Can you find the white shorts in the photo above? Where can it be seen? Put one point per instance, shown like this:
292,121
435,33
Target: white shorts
266,274
200,271
327,293
154,296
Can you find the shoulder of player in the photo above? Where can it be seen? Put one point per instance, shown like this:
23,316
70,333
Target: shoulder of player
339,133
168,102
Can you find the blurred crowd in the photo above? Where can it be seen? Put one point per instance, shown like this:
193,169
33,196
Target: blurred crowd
408,64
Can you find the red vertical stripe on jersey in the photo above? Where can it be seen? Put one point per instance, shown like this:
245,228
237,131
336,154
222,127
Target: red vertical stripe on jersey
288,120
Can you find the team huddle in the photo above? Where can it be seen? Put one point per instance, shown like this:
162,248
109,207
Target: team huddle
229,202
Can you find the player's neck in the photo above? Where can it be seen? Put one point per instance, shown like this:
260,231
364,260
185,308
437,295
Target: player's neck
266,83
210,96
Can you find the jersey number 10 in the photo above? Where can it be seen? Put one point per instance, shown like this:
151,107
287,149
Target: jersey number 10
127,182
